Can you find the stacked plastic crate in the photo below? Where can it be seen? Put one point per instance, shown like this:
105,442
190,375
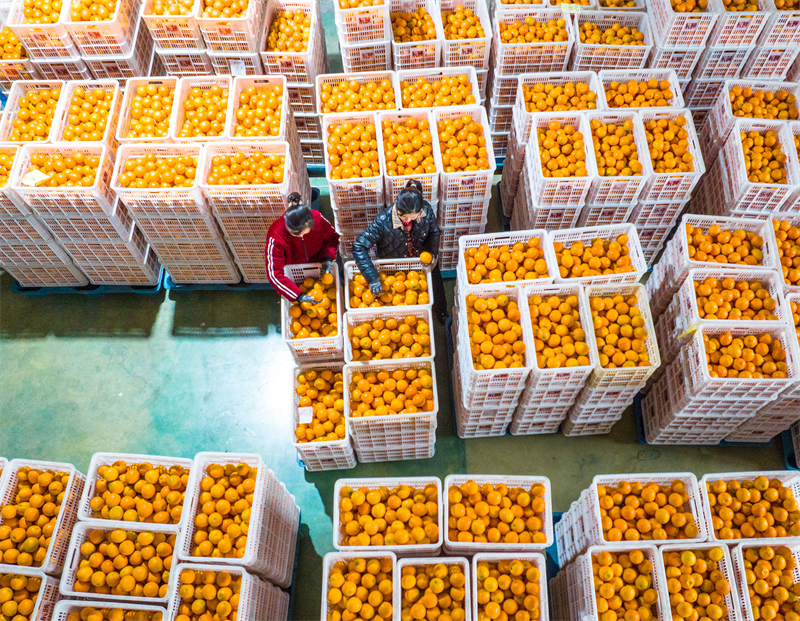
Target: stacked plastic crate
469,52
776,49
365,34
589,56
14,69
423,53
511,59
177,38
231,43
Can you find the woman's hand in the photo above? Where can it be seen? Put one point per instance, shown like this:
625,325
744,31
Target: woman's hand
302,298
326,267
376,288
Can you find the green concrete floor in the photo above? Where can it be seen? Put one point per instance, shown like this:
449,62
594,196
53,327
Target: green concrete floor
178,373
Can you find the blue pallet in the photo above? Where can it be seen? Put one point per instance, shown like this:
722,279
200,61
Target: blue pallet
789,458
171,285
448,273
551,553
91,289
637,405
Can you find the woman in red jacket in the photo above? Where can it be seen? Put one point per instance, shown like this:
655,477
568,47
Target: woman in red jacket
300,235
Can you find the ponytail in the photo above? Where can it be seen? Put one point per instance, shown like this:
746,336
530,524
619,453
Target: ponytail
297,216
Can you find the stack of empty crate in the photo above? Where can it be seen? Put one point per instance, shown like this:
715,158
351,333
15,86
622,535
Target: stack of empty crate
365,35
426,54
232,45
778,44
471,52
14,69
178,41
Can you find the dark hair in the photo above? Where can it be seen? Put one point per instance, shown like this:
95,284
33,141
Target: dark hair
410,199
297,216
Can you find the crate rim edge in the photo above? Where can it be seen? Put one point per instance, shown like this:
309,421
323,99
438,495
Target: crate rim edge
126,105
389,74
637,122
123,148
672,78
242,145
539,560
194,14
259,80
519,102
185,83
19,85
104,158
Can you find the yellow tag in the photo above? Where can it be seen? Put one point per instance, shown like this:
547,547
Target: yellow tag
34,178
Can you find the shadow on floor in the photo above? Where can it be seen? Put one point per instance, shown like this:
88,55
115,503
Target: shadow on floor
113,315
306,586
225,313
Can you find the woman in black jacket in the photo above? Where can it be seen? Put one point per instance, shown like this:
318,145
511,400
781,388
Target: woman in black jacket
405,230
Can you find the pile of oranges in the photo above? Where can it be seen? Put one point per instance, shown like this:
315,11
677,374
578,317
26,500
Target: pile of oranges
88,114
575,2
541,97
463,145
449,91
224,510
623,585
796,318
125,563
495,332
237,8
618,3
771,585
384,393
735,6
689,6
433,591
76,170
619,329
317,320
206,593
509,589
353,151
669,145
151,107
92,10
29,521
496,513
44,13
763,104
749,357
696,584
562,150
788,238
355,97
399,289
259,111
591,34
412,26
91,613
633,94
408,147
361,588
241,169
764,160
521,261
720,245
354,4
389,517
529,30
6,164
603,256
615,149
289,31
635,511
139,493
151,171
204,112
18,596
10,47
558,337
391,339
172,7
321,390
761,507
734,301
462,23
786,5
33,120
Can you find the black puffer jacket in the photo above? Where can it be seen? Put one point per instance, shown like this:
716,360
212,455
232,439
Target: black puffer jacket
390,242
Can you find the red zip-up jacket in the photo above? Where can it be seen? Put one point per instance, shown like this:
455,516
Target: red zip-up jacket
283,248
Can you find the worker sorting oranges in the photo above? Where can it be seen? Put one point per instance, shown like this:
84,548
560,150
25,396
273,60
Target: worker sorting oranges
300,235
406,229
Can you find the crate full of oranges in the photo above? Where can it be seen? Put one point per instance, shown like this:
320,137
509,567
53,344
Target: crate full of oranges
406,282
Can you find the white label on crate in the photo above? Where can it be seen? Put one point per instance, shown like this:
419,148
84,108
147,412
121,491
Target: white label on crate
570,8
238,67
34,178
367,56
93,34
364,20
286,64
468,182
467,50
417,54
743,23
305,415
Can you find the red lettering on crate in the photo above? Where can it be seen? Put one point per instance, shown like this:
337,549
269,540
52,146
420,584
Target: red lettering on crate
364,20
225,31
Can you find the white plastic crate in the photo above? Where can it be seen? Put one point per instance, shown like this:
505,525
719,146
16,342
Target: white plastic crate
782,28
770,63
61,121
588,57
680,29
602,215
525,482
516,58
742,590
590,398
656,214
203,83
363,24
239,34
787,477
191,251
173,32
20,90
23,230
43,40
701,93
394,184
682,60
643,75
366,57
607,233
65,607
435,75
296,66
352,220
179,63
388,266
55,559
468,52
419,563
500,123
539,419
111,36
721,63
363,78
412,550
502,91
131,64
495,240
236,63
302,98
125,120
461,214
15,70
312,350
192,273
381,454
331,558
394,430
60,275
62,69
624,377
146,272
418,54
357,191
537,560
480,422
242,83
114,228
737,28
354,318
161,202
672,187
766,424
44,599
308,126
199,227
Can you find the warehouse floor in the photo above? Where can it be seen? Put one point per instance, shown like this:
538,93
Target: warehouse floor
178,373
